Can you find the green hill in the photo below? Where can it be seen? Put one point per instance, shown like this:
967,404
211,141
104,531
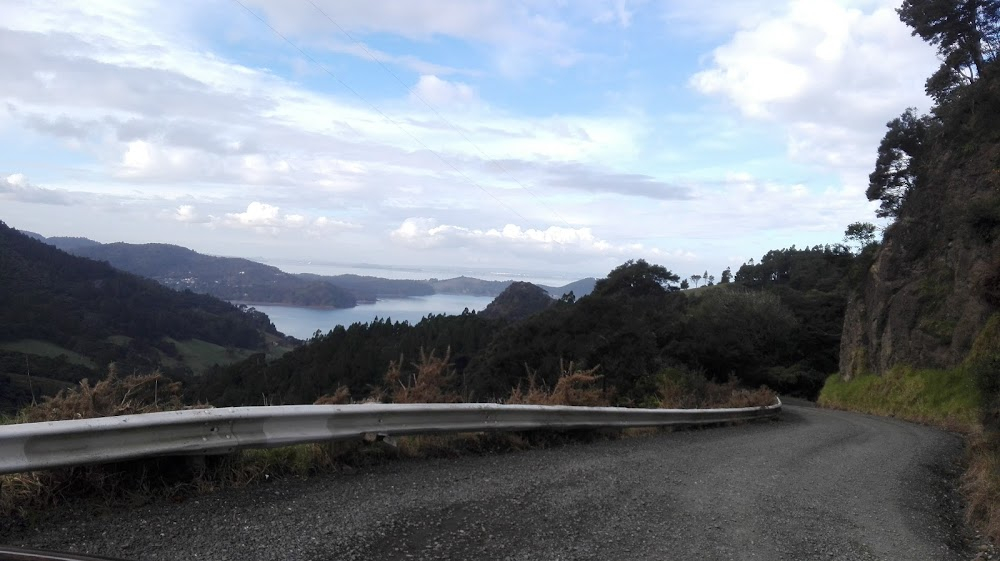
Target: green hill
64,318
228,278
518,301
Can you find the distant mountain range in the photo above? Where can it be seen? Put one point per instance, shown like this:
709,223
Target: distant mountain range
242,280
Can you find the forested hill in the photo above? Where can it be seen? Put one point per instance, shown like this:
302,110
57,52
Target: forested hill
368,288
65,243
64,317
229,278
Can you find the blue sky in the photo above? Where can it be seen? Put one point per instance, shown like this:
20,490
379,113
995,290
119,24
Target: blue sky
533,135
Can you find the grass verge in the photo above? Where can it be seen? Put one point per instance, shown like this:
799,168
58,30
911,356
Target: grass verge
945,398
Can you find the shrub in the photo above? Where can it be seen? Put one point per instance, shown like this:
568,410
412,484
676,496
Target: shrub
431,382
109,397
574,387
684,389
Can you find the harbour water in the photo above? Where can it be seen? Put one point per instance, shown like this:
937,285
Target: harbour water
304,322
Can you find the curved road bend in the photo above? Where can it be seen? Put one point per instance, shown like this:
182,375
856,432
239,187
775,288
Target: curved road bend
817,484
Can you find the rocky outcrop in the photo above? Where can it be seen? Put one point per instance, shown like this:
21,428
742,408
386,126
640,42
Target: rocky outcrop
935,282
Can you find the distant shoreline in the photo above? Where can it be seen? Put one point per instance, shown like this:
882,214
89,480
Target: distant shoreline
359,304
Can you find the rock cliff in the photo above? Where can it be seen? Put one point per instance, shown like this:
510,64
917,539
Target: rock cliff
934,283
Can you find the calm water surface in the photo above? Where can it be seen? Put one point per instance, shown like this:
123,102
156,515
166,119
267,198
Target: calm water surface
303,322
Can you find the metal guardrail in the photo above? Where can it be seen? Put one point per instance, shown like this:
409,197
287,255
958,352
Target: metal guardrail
35,446
19,554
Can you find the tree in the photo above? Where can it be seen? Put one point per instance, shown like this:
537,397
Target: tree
895,168
966,34
685,284
711,280
861,233
727,276
696,279
635,278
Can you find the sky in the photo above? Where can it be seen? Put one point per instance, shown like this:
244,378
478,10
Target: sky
564,136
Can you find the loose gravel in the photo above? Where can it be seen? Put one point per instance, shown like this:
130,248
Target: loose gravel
816,484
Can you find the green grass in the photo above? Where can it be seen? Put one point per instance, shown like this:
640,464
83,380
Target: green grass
46,349
201,355
41,385
275,349
120,340
947,398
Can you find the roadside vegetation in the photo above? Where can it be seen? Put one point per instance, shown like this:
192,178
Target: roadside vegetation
947,397
430,379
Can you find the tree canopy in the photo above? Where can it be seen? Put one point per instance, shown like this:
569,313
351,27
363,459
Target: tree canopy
966,34
896,167
636,278
861,233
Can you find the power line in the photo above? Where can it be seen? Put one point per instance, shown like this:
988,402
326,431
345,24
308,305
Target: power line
439,115
377,110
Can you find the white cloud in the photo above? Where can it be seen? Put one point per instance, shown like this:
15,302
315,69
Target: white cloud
267,218
442,93
830,73
16,187
257,215
618,12
427,233
188,215
410,62
522,36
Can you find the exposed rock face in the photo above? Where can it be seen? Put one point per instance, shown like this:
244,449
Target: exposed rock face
518,301
935,282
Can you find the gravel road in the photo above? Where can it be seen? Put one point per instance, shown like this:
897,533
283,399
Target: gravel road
816,484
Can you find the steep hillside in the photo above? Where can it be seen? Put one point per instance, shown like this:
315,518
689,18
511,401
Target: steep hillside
227,278
935,282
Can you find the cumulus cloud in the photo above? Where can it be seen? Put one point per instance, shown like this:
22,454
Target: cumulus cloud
188,215
832,74
16,187
267,218
257,215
